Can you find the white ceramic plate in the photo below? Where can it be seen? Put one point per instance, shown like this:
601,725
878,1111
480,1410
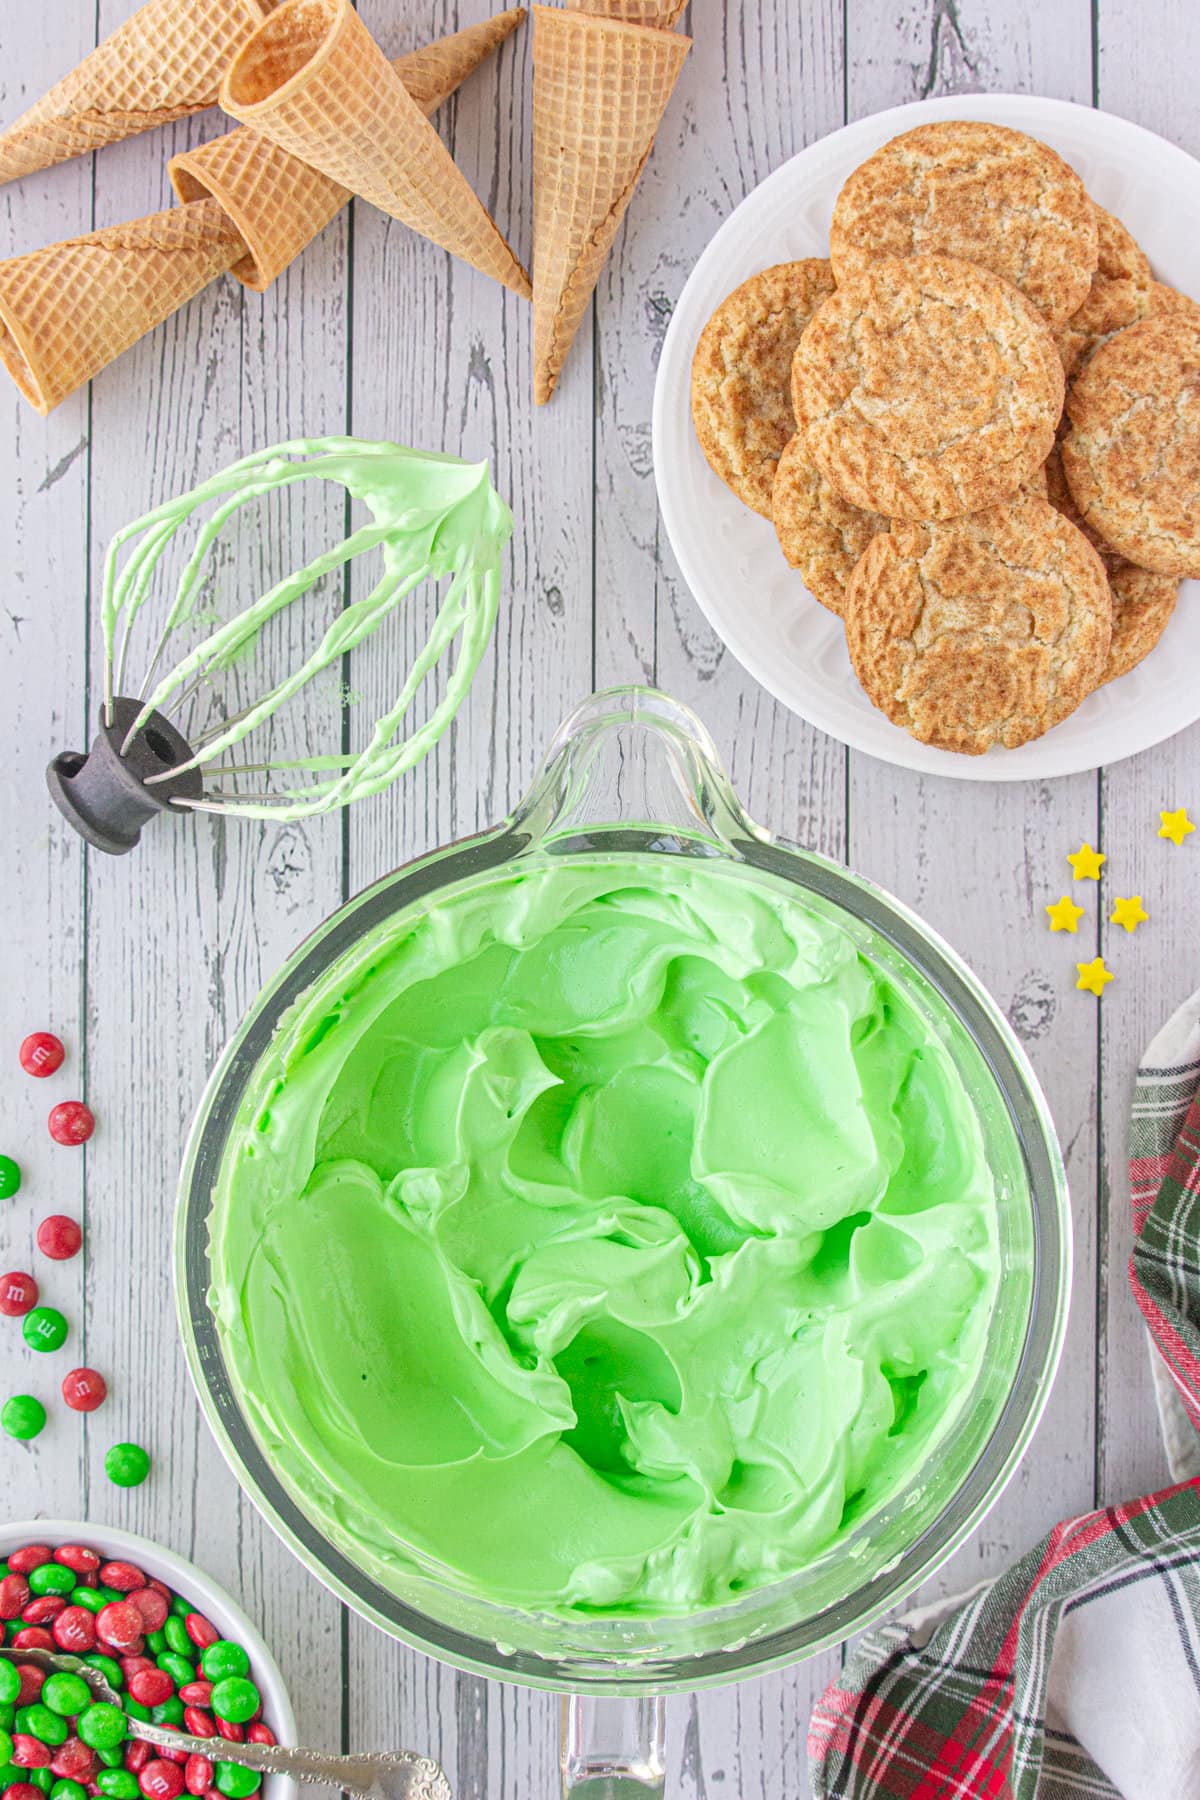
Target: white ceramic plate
209,1597
729,556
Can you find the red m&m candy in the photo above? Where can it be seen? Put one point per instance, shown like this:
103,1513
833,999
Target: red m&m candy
41,1053
14,1596
71,1122
84,1390
76,1557
124,1576
119,1626
59,1238
161,1780
31,1557
18,1293
75,1631
198,1774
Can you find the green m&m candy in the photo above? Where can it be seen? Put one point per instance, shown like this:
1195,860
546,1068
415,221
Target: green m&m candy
44,1328
169,1713
236,1782
224,1658
10,1177
10,1681
101,1727
126,1465
108,1667
37,1721
6,1749
118,1784
23,1417
52,1578
177,1667
41,1778
235,1699
66,1694
176,1634
66,1789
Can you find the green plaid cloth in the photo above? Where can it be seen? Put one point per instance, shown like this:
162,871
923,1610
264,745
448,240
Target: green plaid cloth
1076,1676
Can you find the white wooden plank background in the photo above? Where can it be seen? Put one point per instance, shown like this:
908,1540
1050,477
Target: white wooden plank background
144,965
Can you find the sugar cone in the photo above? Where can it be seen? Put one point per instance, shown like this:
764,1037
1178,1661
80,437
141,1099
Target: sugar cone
68,310
432,74
662,14
167,60
276,201
599,90
314,81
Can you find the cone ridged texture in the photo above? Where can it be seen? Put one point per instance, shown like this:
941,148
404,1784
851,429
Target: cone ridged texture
279,203
164,62
314,81
599,91
67,311
662,14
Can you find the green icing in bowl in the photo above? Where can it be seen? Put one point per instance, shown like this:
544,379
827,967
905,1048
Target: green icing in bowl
609,1237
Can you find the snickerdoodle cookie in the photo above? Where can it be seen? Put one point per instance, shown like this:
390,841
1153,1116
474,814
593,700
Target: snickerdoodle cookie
978,192
1113,304
982,630
925,388
741,397
821,535
1142,601
1142,606
1132,454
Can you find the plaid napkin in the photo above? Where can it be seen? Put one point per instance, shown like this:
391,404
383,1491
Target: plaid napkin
1076,1676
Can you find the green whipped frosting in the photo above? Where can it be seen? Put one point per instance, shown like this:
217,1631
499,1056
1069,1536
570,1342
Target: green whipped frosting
609,1237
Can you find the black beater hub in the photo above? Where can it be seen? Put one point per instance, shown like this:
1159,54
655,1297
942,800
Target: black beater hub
104,794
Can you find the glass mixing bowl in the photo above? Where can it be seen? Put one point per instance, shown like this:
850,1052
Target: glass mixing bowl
633,771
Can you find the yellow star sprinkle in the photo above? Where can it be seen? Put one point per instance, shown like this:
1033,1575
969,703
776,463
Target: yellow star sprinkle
1129,913
1093,976
1086,863
1064,914
1175,825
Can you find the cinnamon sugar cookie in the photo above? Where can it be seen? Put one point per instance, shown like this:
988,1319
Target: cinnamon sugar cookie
1142,606
821,535
1112,305
1142,601
741,396
925,388
978,192
980,631
1119,256
1132,454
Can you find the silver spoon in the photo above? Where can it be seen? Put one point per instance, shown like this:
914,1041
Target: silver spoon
385,1775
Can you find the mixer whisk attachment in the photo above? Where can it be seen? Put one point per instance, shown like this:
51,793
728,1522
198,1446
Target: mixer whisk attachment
431,517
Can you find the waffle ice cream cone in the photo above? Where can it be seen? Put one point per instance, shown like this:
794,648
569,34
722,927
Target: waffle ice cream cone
68,310
662,14
279,203
164,62
600,87
314,81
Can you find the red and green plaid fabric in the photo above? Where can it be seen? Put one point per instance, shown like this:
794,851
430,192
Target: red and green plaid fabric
1076,1675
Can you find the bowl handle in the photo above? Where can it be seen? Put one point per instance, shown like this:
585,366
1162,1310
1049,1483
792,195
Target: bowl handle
613,1749
634,756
